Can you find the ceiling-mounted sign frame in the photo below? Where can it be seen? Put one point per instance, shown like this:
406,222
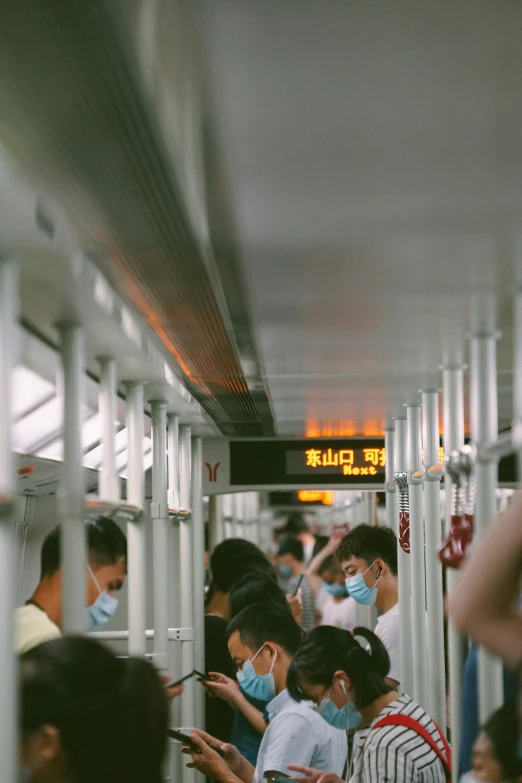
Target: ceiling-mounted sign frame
239,465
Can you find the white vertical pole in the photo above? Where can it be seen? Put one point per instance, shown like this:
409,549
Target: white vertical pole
198,548
186,554
174,505
434,589
109,483
73,543
8,664
160,534
404,566
517,375
484,428
254,517
418,567
176,760
453,439
391,505
136,541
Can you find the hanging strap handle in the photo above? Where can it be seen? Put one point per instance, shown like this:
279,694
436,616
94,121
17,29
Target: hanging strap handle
418,728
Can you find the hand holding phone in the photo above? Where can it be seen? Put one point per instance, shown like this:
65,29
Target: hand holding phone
184,739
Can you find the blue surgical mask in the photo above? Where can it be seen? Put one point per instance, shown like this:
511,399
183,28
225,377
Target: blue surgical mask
257,686
285,571
102,609
359,590
345,718
469,777
335,589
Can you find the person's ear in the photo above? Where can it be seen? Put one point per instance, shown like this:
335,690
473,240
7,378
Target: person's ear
343,678
41,748
272,649
381,568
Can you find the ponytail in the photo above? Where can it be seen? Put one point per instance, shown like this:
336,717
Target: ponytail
326,650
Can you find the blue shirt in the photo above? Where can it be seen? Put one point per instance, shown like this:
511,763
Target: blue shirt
297,734
244,736
470,710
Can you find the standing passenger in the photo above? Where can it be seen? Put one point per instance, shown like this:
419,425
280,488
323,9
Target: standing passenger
369,559
395,740
298,528
291,564
87,716
229,562
41,617
325,577
262,640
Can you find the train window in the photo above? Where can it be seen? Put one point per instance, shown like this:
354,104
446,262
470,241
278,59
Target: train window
29,390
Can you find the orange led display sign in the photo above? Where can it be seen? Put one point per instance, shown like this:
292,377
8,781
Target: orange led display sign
319,464
311,496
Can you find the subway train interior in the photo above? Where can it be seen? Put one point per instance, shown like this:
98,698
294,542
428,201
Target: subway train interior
259,260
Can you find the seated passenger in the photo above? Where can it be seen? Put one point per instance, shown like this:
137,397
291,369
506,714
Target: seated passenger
368,556
495,752
230,561
249,722
87,716
470,727
291,564
40,619
327,581
262,640
396,740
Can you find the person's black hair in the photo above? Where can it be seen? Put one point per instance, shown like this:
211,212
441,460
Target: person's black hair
370,542
112,714
292,546
325,650
295,524
266,622
256,588
503,731
234,558
106,545
320,543
330,563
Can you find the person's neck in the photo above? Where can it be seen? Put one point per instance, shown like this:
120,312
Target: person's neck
370,713
387,596
219,605
49,598
281,674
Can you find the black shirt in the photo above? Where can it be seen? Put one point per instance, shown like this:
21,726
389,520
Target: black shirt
219,715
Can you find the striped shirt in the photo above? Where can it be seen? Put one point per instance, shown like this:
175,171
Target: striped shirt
397,754
308,621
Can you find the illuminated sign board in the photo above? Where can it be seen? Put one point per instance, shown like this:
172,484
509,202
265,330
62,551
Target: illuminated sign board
314,496
308,462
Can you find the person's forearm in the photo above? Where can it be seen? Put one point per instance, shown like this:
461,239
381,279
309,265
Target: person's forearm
253,715
484,605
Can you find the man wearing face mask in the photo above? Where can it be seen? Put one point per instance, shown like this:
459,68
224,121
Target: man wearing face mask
262,640
40,619
368,556
292,569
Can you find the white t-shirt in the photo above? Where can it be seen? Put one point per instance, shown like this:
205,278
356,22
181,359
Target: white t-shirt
387,629
340,614
32,627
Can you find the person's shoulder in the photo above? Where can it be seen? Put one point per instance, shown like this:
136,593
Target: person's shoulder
32,627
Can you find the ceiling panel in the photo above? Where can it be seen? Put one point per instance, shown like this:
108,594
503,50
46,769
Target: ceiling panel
374,166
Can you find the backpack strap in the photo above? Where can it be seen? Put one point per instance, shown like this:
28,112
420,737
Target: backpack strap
418,728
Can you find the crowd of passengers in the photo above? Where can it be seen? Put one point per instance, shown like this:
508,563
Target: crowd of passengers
294,688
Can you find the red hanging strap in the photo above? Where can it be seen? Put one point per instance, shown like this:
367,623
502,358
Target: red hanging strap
404,532
418,728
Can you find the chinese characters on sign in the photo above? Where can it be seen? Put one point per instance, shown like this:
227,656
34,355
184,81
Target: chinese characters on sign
344,459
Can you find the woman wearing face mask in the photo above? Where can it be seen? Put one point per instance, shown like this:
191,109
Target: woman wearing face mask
495,752
88,716
326,579
395,739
